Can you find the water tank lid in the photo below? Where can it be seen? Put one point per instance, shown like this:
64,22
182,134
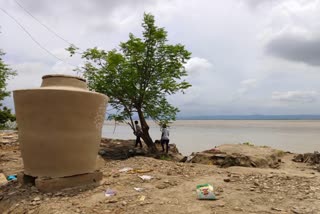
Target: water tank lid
63,75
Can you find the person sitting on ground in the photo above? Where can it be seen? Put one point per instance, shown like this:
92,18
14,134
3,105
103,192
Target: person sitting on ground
138,134
165,138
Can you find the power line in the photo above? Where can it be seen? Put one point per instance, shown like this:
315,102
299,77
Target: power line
45,26
33,39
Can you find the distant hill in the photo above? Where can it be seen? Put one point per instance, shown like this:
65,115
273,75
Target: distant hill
250,117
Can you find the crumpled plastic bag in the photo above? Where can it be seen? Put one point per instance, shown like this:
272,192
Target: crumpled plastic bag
146,177
110,192
126,169
205,192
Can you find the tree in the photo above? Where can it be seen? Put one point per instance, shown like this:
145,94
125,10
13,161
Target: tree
138,76
5,73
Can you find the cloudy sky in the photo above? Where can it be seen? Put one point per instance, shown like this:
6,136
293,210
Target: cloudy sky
248,56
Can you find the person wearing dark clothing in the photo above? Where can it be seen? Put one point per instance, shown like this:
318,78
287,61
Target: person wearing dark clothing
138,134
165,138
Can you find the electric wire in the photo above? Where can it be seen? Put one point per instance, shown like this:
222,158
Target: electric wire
33,39
45,26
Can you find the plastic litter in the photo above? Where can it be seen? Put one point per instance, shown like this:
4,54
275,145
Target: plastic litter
145,177
110,192
205,192
134,171
142,198
126,169
138,189
12,178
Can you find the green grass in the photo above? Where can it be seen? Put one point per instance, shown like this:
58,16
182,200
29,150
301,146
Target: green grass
165,157
280,153
248,143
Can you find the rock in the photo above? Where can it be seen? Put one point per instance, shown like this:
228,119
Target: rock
116,175
297,210
3,179
35,203
219,189
184,159
226,180
139,152
36,199
49,194
162,186
112,201
34,189
218,204
237,209
276,209
102,152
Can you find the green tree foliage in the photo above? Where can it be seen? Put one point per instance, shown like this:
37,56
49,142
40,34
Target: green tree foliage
138,76
5,73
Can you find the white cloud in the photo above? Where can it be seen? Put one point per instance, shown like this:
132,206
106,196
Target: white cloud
63,68
295,96
247,85
29,75
254,4
196,65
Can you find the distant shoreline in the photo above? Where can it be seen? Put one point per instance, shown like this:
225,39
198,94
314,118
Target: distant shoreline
251,117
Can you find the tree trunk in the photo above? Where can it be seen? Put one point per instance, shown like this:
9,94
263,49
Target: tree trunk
145,133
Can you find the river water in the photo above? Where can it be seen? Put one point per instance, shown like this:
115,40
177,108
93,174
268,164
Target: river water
197,135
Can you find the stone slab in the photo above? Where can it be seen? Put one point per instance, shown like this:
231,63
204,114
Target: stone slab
3,179
57,184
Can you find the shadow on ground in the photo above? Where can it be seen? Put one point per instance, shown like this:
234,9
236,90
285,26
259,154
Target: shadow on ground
113,149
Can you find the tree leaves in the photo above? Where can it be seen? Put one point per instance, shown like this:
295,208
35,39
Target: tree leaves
5,73
139,74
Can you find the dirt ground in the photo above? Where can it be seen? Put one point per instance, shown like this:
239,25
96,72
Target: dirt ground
291,188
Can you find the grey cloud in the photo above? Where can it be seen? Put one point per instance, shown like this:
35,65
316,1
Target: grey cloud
247,85
258,3
296,48
295,96
102,27
93,7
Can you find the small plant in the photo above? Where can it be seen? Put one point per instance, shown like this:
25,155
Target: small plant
11,125
248,143
280,153
165,157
